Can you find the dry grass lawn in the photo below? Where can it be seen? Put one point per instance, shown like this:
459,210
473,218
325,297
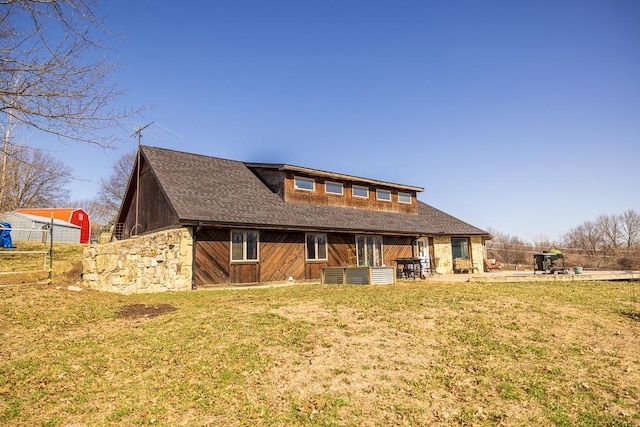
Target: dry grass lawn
413,354
29,263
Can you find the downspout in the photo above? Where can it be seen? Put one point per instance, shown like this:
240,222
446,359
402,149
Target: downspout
193,260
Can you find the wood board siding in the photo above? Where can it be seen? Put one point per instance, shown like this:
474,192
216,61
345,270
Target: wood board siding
319,197
340,246
283,183
213,264
394,248
212,257
155,210
282,255
244,272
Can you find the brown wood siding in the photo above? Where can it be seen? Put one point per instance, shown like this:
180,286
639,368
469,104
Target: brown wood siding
212,257
213,261
155,210
340,246
282,254
395,247
313,270
244,272
319,197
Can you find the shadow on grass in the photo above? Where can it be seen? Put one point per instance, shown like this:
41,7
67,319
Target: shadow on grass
633,315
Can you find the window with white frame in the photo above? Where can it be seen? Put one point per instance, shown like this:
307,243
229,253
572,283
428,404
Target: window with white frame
383,195
244,245
359,191
404,198
316,247
334,188
303,183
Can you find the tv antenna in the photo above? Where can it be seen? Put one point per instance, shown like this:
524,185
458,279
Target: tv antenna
138,134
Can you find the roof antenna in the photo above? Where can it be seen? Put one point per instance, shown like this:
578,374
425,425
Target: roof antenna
138,133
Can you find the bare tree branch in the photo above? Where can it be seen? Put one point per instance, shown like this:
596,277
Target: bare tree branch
54,74
111,190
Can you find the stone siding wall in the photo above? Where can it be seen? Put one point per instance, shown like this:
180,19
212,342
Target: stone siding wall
150,263
442,252
478,253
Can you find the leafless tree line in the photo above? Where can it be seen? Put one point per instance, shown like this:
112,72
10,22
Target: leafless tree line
609,241
33,178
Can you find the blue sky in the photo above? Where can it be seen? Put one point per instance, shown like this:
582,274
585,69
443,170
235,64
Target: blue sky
519,116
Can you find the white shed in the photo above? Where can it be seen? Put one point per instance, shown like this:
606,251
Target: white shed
32,228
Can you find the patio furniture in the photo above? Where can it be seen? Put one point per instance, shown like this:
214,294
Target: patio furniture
491,266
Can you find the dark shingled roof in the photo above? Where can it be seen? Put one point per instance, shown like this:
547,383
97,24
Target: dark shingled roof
211,190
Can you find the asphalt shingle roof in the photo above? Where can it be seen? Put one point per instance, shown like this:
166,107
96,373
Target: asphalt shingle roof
214,190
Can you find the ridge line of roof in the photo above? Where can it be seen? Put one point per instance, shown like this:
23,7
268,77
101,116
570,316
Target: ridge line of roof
151,147
284,166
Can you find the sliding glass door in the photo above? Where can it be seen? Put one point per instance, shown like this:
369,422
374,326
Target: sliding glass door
369,251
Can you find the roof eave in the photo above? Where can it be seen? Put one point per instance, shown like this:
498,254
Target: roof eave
301,228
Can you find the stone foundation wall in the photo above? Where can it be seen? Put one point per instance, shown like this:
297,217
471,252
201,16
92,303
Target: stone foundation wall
156,262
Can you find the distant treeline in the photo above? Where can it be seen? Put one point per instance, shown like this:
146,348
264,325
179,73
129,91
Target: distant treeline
608,242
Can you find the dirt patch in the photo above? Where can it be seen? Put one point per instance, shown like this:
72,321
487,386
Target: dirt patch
135,311
633,315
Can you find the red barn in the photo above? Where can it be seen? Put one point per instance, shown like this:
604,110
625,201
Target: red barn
76,216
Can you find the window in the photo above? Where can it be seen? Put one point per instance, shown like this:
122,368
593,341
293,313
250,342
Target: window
333,188
369,251
301,183
316,247
384,195
358,191
244,246
460,247
404,198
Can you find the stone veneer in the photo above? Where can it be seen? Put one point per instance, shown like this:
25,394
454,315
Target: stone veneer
442,252
156,262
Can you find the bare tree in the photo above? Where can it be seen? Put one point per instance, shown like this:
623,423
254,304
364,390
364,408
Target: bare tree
508,249
35,179
630,224
90,206
54,76
611,231
588,238
112,190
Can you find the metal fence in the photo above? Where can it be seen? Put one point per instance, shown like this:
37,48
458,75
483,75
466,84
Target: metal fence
38,258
